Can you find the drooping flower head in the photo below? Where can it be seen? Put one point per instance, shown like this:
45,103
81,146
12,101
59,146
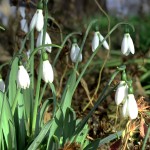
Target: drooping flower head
121,93
47,41
130,107
97,39
75,52
38,19
127,45
47,70
23,80
122,90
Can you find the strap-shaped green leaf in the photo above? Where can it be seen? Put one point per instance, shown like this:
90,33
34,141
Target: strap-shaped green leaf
69,124
7,123
37,141
98,142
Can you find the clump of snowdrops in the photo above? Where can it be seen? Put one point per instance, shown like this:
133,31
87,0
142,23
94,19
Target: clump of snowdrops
22,124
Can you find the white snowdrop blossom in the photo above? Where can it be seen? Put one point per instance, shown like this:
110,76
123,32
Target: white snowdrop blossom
130,107
121,92
23,80
37,20
127,45
96,41
47,72
74,54
22,11
47,41
105,44
2,85
24,25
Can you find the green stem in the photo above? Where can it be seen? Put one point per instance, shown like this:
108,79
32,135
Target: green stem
40,47
15,101
2,28
92,56
146,138
84,39
100,100
61,35
23,43
65,40
36,104
42,93
32,62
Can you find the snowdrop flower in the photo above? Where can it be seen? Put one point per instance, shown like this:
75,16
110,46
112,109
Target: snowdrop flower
130,107
38,19
127,45
2,85
23,80
47,70
74,54
121,92
22,11
96,41
47,41
24,25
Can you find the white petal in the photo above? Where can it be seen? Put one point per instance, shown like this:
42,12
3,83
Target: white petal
24,25
39,39
125,109
95,41
33,21
22,11
131,45
124,45
132,107
47,72
72,53
121,93
2,86
127,52
48,41
40,20
23,80
105,44
75,52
